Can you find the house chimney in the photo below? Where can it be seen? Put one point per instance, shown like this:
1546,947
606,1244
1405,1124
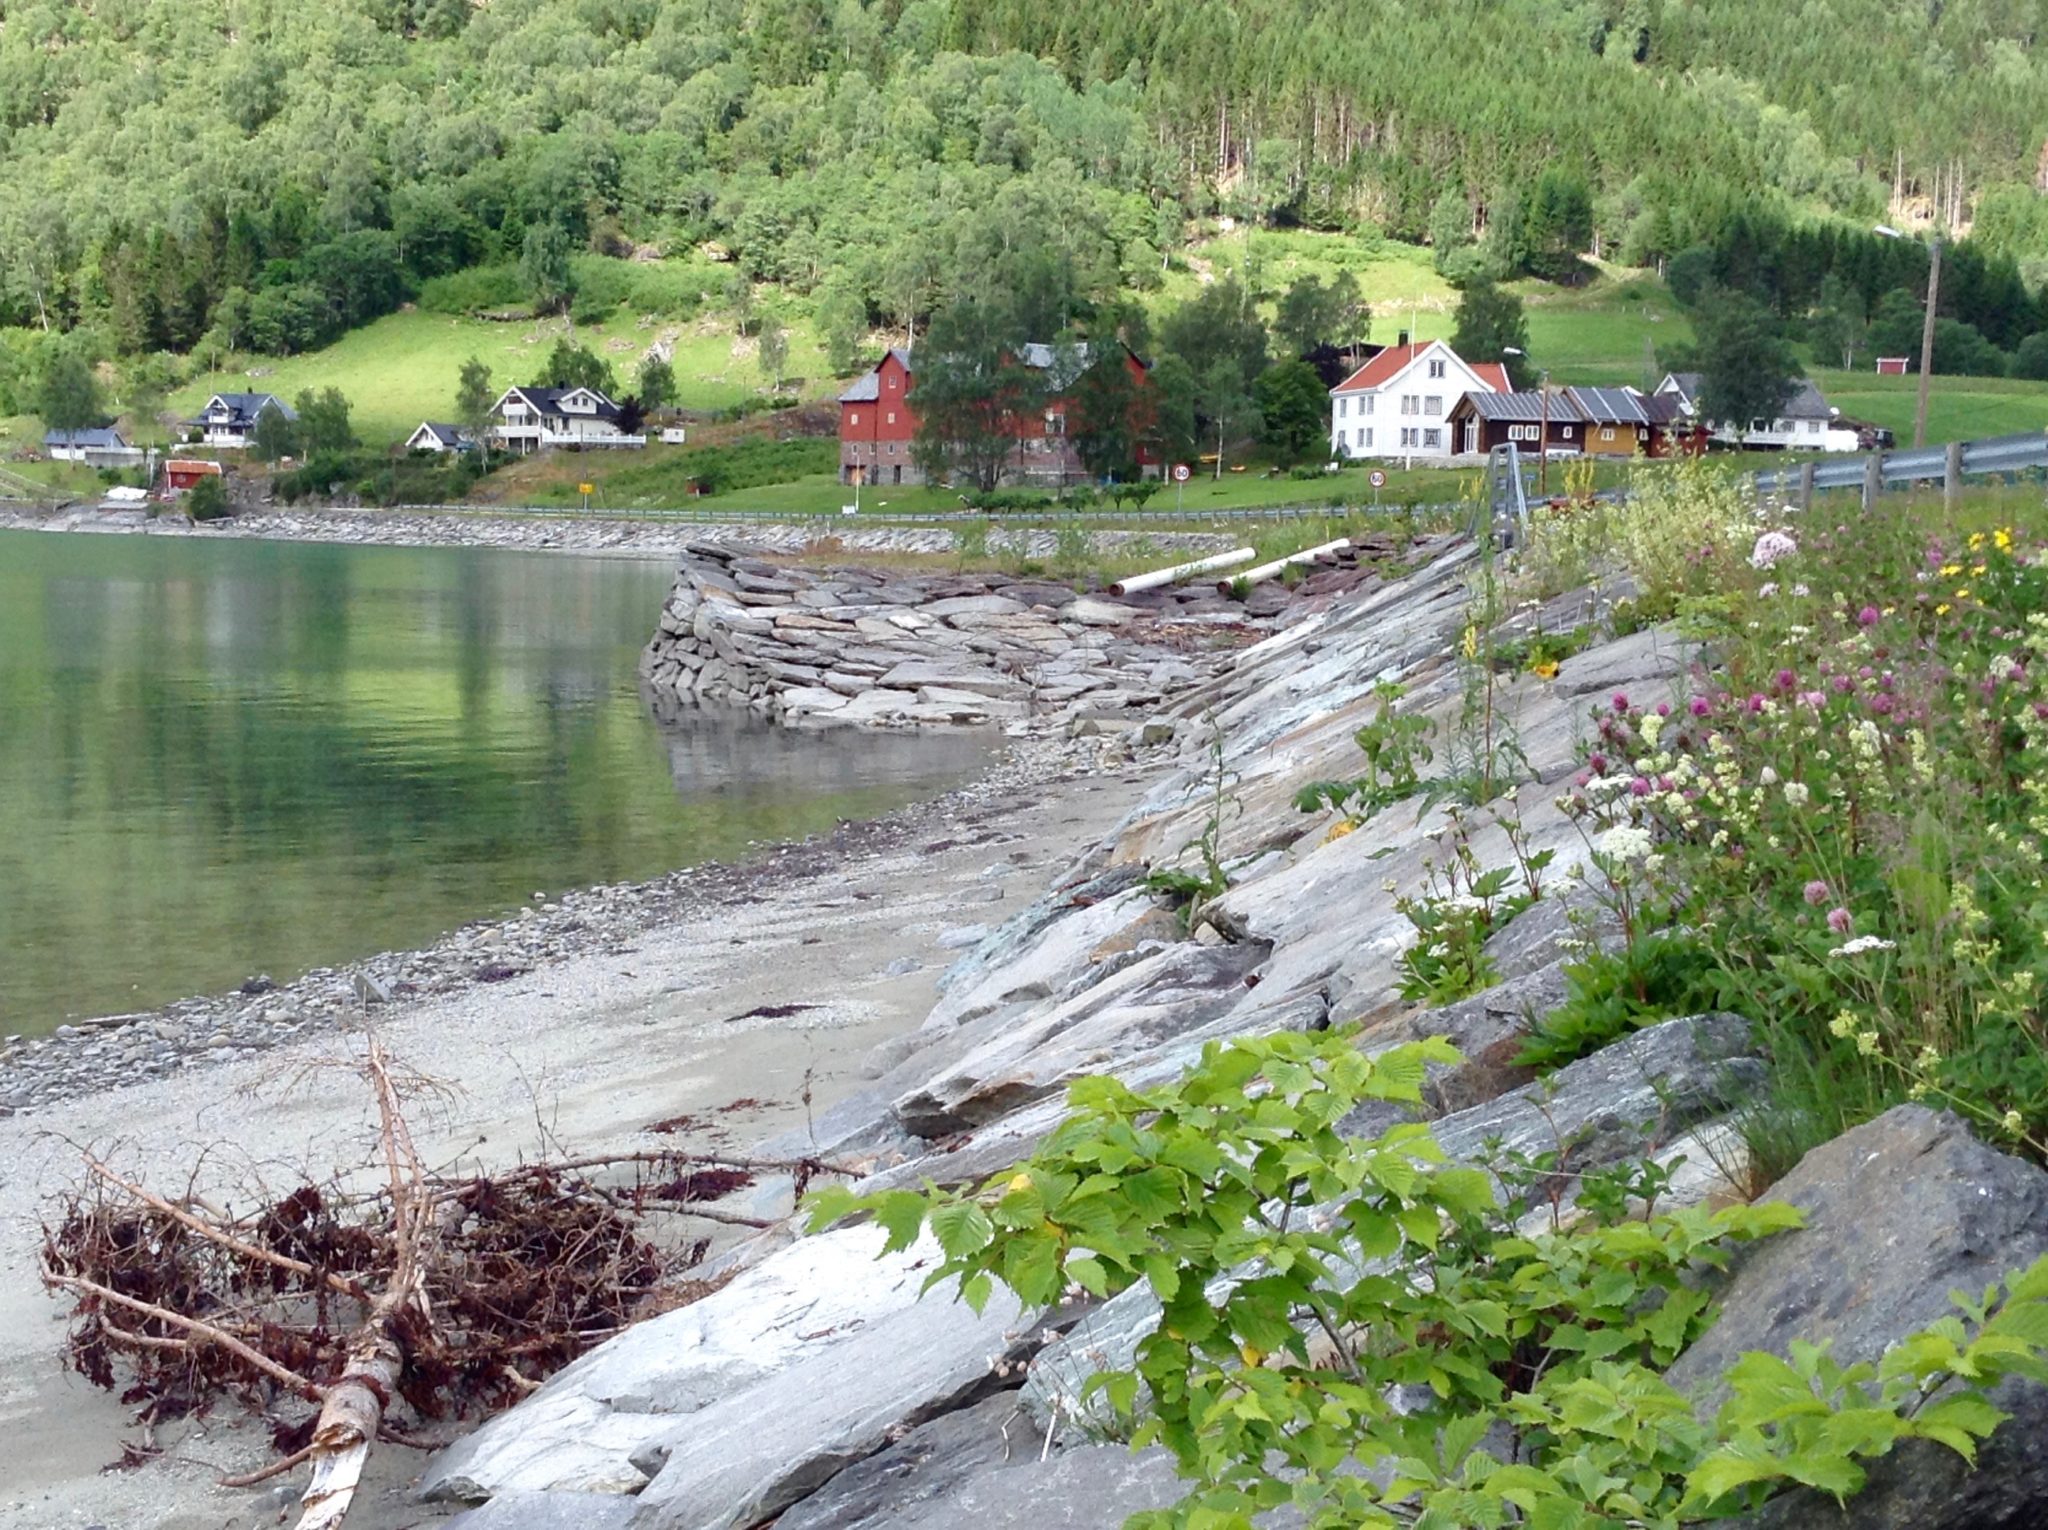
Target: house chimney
1401,338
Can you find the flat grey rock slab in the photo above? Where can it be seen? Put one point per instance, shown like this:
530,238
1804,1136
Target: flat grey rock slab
580,1431
1899,1212
928,1464
761,1449
1649,661
547,1511
1163,995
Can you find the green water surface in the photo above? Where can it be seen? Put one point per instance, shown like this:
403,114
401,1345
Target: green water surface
223,758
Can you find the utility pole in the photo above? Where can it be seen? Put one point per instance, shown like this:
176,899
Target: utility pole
1543,437
1927,345
1926,328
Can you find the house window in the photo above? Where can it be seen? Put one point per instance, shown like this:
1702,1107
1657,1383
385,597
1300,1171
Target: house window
1436,369
1055,423
892,417
1407,403
854,418
1343,407
892,448
1368,438
1567,432
1433,439
1607,432
1368,401
1407,435
1434,404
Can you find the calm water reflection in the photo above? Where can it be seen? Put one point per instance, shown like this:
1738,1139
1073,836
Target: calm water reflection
224,758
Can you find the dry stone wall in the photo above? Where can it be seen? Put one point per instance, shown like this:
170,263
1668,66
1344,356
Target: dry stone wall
855,647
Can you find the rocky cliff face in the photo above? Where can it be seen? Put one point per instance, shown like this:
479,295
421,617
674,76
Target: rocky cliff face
879,1411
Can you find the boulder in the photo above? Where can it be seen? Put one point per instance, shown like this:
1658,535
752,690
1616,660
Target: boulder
1086,1487
914,675
1899,1212
973,605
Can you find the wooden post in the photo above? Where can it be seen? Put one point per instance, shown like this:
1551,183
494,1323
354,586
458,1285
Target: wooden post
1952,476
1806,485
1873,479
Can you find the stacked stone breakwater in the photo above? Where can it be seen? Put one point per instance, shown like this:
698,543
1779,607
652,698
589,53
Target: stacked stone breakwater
856,647
866,648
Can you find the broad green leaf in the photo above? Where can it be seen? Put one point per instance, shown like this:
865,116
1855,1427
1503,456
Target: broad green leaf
961,1227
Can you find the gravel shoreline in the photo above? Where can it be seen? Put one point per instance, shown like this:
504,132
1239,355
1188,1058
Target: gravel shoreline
89,1056
574,533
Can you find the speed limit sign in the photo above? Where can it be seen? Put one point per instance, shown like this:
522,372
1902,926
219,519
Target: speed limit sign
1376,478
1180,472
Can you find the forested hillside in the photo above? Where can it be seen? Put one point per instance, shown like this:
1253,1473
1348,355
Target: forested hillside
265,175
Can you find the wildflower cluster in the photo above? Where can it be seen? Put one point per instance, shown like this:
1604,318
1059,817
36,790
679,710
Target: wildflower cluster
1851,812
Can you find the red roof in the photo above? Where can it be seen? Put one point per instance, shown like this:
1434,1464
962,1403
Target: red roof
1380,368
1390,362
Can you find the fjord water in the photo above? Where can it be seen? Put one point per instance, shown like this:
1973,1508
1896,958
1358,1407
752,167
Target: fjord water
223,758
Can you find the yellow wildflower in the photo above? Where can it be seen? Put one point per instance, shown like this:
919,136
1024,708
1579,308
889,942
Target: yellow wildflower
2002,537
1339,829
1943,609
1544,670
1963,593
1950,570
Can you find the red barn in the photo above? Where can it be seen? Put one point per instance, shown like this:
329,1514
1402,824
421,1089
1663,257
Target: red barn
877,424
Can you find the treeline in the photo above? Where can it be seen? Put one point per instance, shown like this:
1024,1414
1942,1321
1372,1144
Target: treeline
264,175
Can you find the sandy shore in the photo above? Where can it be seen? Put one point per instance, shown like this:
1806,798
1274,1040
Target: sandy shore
587,1050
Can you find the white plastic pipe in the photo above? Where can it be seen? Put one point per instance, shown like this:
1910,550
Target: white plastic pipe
1268,570
1136,582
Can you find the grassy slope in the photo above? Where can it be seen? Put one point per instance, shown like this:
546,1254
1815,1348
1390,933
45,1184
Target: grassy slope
403,368
1958,408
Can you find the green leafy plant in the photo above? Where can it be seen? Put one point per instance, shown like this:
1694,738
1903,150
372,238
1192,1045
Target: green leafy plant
1610,994
1355,1328
1191,890
1395,745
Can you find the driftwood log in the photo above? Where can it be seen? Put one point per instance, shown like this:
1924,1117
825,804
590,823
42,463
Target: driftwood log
329,1306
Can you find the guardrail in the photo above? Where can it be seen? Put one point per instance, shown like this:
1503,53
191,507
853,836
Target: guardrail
1944,464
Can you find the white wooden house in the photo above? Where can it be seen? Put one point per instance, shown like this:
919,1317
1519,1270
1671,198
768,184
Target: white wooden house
530,418
1807,423
1399,403
229,419
435,437
103,446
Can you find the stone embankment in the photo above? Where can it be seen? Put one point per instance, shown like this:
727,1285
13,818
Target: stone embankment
855,647
814,1388
559,531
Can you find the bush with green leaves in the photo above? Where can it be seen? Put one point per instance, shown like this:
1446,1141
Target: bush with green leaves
1358,1328
1608,994
207,500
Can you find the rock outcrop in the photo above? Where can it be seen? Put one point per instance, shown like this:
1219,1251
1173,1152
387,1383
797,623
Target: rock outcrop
1899,1212
883,1413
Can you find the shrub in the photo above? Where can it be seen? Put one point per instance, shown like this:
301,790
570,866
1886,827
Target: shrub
1356,1329
207,500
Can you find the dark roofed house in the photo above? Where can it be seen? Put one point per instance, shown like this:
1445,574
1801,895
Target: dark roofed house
101,446
435,437
1807,422
530,418
229,419
1600,422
